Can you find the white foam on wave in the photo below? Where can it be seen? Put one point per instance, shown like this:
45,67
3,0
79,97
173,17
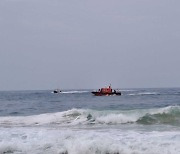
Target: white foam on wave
66,117
116,119
58,141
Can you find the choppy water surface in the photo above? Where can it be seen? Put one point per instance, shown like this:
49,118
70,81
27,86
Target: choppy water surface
141,121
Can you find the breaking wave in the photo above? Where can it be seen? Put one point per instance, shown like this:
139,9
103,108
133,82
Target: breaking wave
167,115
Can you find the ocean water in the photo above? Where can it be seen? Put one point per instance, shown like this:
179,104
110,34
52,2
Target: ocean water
141,121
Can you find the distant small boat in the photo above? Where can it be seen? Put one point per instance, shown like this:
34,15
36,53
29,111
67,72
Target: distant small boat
106,92
56,91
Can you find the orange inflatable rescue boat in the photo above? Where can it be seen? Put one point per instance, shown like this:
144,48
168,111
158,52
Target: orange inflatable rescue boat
106,92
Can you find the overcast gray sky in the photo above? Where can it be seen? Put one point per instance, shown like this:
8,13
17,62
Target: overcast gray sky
47,44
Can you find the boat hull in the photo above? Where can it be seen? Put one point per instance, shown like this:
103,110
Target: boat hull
96,93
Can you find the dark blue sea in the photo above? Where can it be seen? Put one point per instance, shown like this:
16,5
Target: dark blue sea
141,121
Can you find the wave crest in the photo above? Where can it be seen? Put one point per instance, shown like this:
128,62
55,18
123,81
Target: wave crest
169,115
